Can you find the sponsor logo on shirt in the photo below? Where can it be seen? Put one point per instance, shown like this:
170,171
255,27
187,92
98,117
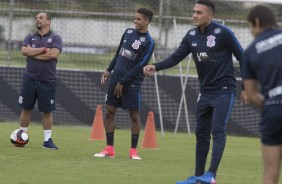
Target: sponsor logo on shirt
130,31
128,54
136,44
211,41
202,56
194,44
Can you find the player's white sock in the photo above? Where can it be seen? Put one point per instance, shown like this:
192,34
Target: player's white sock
23,129
47,134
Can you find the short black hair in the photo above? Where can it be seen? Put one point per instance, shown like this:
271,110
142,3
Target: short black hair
146,12
265,16
48,16
207,3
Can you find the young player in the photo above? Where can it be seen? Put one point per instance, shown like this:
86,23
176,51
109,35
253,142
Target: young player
262,75
134,52
212,46
39,80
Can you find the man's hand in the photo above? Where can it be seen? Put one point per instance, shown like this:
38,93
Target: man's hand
105,76
149,70
118,90
244,98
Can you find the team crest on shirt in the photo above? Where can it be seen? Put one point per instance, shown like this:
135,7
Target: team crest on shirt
130,31
211,41
136,44
49,40
142,39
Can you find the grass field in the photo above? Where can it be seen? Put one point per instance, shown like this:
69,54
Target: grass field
74,162
86,62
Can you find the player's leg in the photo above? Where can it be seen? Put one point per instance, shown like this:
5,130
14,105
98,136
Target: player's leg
109,151
271,138
272,156
135,132
46,104
222,110
112,103
131,101
203,130
25,119
203,133
222,106
110,124
27,100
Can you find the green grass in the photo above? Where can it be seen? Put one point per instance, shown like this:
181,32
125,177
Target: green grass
86,62
74,162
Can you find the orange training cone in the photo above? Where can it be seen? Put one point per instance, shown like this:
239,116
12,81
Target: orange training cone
150,140
98,129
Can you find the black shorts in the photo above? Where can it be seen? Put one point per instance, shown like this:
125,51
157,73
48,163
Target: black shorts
43,92
131,94
271,125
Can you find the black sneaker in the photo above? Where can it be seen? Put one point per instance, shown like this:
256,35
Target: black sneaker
49,144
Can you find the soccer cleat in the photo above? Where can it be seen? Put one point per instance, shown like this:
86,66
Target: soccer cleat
190,180
107,152
207,178
133,154
49,144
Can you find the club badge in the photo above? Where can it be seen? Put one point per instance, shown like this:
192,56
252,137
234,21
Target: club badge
136,44
211,41
49,40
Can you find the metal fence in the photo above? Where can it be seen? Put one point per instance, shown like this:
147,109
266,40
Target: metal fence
91,31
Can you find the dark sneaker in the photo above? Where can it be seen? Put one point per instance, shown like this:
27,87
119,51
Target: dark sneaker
190,180
207,178
49,144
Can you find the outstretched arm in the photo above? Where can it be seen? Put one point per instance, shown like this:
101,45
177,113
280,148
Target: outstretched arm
149,70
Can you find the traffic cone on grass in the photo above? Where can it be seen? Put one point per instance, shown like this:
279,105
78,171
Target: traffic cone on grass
98,129
150,140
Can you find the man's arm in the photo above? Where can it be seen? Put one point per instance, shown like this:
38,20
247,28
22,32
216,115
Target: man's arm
235,47
252,89
52,53
143,61
114,60
31,52
181,52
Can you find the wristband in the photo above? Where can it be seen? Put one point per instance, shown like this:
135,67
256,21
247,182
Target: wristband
44,50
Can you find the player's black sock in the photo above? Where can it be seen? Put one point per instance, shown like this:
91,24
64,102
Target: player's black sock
110,138
134,140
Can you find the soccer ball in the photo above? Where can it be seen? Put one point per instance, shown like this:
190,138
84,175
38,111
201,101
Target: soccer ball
19,138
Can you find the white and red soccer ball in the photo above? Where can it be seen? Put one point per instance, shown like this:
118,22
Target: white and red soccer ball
19,138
